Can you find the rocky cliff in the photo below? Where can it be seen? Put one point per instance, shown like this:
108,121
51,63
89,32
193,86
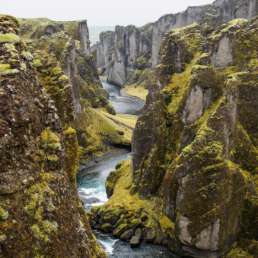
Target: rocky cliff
61,51
118,53
40,213
192,184
128,49
207,87
68,43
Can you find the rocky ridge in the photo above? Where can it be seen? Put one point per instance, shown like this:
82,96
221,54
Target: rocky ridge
192,183
62,57
123,54
40,212
68,43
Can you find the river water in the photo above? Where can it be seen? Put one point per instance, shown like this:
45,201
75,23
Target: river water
91,183
122,103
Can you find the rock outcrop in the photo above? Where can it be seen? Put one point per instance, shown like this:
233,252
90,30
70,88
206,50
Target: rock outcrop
201,178
69,44
40,212
121,53
84,37
62,58
195,148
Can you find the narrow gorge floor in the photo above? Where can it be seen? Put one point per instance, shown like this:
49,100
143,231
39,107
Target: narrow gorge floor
91,183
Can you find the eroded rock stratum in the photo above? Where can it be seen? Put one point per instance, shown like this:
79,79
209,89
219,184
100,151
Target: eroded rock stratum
192,183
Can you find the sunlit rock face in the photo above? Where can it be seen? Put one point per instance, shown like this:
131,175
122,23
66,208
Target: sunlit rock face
120,52
40,213
223,55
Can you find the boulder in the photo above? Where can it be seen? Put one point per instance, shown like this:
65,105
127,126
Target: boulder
127,235
136,239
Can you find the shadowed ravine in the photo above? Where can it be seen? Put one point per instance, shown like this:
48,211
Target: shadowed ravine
91,183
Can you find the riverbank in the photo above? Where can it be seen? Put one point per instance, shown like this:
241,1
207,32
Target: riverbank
101,130
136,91
91,179
122,102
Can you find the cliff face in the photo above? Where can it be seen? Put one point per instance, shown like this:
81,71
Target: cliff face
68,43
84,37
193,181
62,57
40,213
201,108
217,13
120,53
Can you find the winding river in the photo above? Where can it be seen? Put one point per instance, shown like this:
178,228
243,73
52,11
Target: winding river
91,183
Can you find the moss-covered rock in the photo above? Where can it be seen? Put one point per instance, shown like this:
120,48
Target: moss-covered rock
111,181
40,212
72,153
67,71
3,214
195,146
126,214
9,38
238,253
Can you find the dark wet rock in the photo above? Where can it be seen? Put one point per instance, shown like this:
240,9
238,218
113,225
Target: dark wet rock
106,228
149,235
127,235
136,239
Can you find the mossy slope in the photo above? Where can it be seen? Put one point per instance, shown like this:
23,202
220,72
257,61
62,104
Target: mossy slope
195,145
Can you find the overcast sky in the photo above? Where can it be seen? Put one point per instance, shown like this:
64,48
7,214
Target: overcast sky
98,12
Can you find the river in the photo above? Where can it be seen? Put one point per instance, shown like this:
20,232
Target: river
91,183
121,102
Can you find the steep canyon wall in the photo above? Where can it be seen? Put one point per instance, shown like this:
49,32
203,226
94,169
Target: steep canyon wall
127,49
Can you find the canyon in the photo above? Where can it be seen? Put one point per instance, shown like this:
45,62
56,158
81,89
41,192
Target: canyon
187,187
91,167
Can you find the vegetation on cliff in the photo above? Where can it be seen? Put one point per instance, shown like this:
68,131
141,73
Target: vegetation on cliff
192,183
40,213
127,52
66,70
195,147
129,217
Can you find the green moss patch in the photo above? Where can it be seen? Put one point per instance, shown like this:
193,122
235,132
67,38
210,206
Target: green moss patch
5,69
50,140
127,211
9,38
239,253
3,214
